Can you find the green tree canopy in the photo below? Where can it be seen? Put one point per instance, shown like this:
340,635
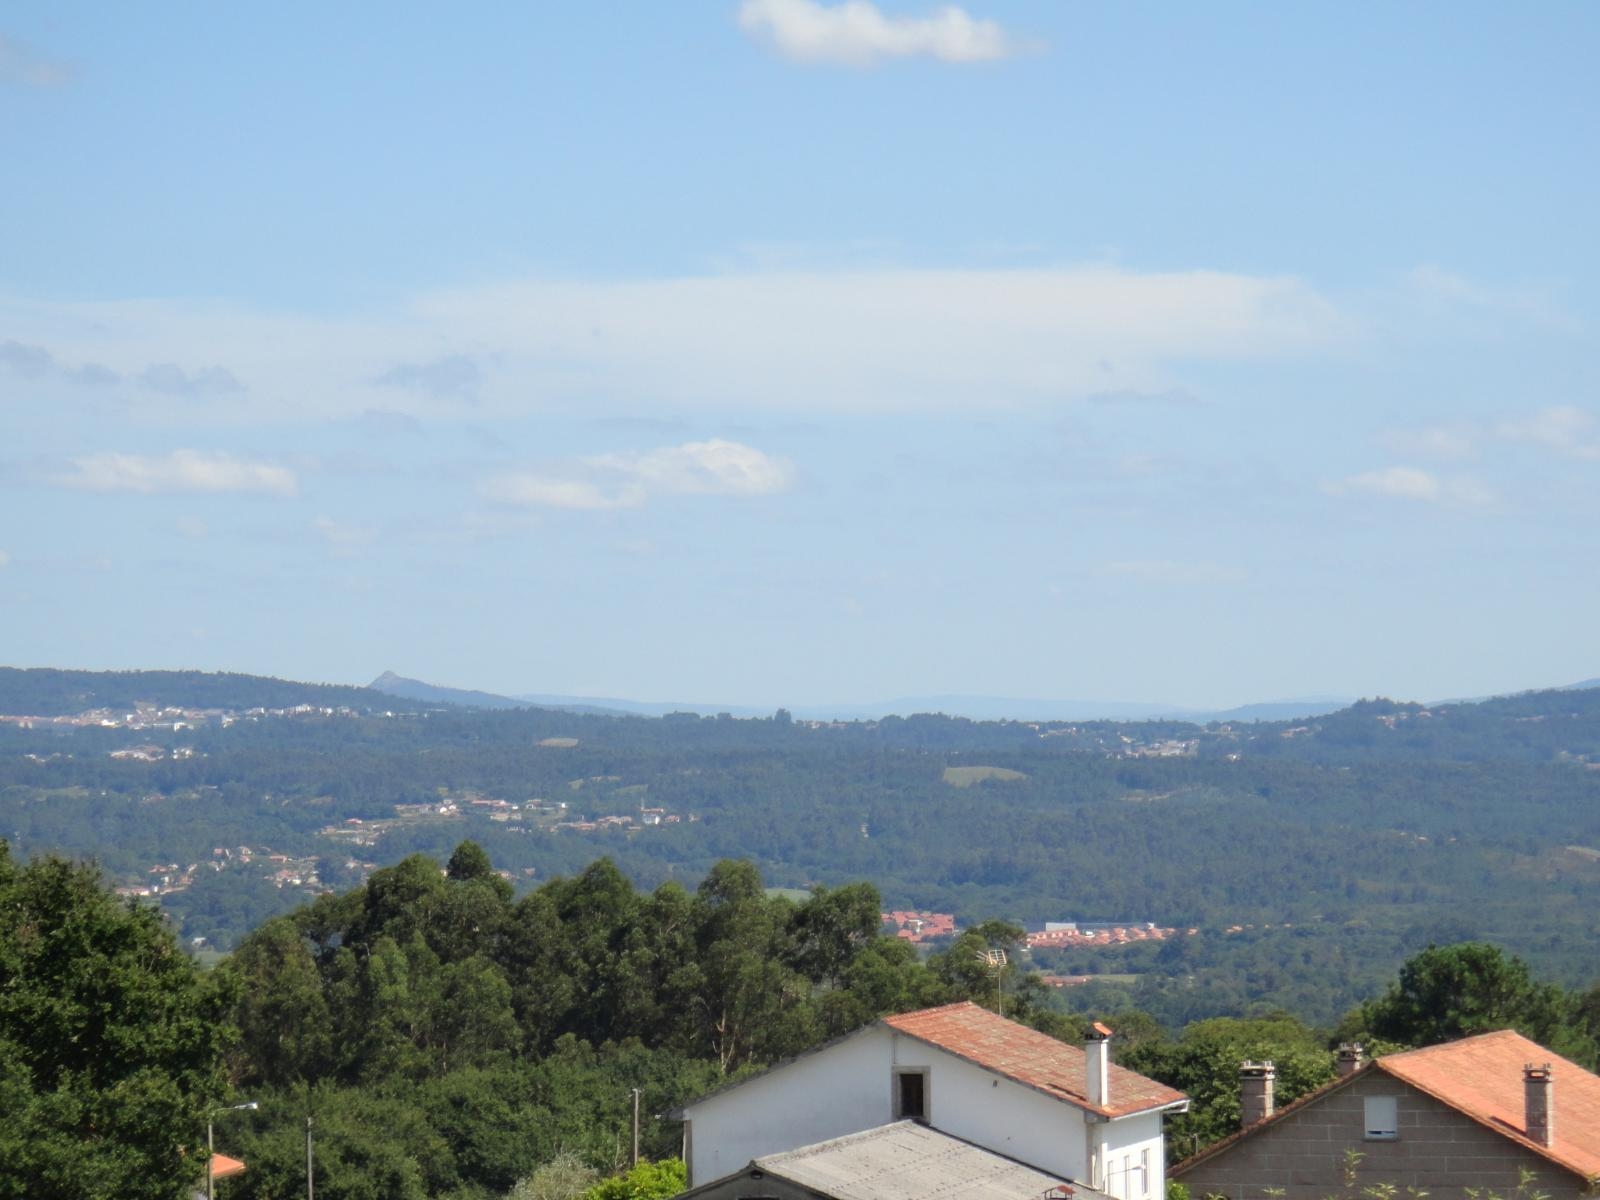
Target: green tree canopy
1449,992
110,1042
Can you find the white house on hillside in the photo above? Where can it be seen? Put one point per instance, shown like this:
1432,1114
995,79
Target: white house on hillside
1065,1110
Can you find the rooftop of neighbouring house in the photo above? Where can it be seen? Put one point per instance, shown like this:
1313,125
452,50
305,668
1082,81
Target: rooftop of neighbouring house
972,1032
1482,1077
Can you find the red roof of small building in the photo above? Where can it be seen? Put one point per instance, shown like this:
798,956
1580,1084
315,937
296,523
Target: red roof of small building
1482,1078
1038,1060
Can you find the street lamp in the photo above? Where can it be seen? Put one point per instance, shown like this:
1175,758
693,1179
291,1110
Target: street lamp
211,1150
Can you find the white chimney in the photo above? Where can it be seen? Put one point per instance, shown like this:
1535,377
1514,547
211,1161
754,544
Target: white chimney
1537,1088
1096,1049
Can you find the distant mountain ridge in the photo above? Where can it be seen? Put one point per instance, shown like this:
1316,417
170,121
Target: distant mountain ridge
56,692
391,684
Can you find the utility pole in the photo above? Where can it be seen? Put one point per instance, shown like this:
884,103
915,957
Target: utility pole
308,1157
636,1127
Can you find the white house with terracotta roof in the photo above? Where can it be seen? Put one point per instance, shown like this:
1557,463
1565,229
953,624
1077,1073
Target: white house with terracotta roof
1478,1112
1064,1110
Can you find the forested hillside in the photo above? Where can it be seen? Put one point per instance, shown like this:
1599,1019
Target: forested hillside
1308,859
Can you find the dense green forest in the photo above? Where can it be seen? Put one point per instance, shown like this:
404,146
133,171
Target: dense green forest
1311,858
442,1037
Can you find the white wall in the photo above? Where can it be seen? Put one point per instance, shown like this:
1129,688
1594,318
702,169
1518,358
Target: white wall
1132,1157
998,1114
842,1089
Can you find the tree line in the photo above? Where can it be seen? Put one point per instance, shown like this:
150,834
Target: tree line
447,1038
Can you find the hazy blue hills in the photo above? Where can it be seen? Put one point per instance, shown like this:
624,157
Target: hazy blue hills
391,684
975,708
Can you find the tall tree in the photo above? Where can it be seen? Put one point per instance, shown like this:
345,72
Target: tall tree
110,1042
1448,992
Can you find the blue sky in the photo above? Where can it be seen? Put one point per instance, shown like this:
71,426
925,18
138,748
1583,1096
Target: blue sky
792,352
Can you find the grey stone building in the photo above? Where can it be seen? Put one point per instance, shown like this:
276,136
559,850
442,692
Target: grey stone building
1479,1112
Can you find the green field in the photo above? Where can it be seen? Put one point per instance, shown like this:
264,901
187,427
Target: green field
967,776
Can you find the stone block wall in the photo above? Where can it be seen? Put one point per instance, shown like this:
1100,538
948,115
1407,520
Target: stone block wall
1436,1148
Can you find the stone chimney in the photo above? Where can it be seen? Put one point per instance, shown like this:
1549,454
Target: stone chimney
1096,1049
1539,1103
1257,1081
1350,1059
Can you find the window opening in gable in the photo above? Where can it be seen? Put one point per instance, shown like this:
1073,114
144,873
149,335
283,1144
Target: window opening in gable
911,1095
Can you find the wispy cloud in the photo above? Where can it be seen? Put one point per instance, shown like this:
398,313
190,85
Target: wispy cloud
5,560
1129,398
169,379
36,362
892,339
857,33
532,490
342,537
1433,441
1156,571
1412,483
179,471
1564,429
713,468
609,481
453,377
1447,289
21,64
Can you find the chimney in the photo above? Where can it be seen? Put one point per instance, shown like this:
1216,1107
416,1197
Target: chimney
1350,1059
1256,1084
1096,1049
1537,1098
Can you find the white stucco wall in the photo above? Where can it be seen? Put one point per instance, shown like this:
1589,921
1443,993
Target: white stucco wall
1133,1157
849,1087
998,1114
842,1089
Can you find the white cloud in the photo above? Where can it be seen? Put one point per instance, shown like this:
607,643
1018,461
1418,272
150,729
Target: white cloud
857,33
1412,483
626,480
1435,441
544,491
716,467
858,341
5,560
1158,571
1564,429
179,471
1405,483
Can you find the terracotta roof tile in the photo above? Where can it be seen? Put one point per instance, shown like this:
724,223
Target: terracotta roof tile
1482,1077
1029,1057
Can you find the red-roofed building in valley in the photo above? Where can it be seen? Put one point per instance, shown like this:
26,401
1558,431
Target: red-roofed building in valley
1066,1110
1479,1112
